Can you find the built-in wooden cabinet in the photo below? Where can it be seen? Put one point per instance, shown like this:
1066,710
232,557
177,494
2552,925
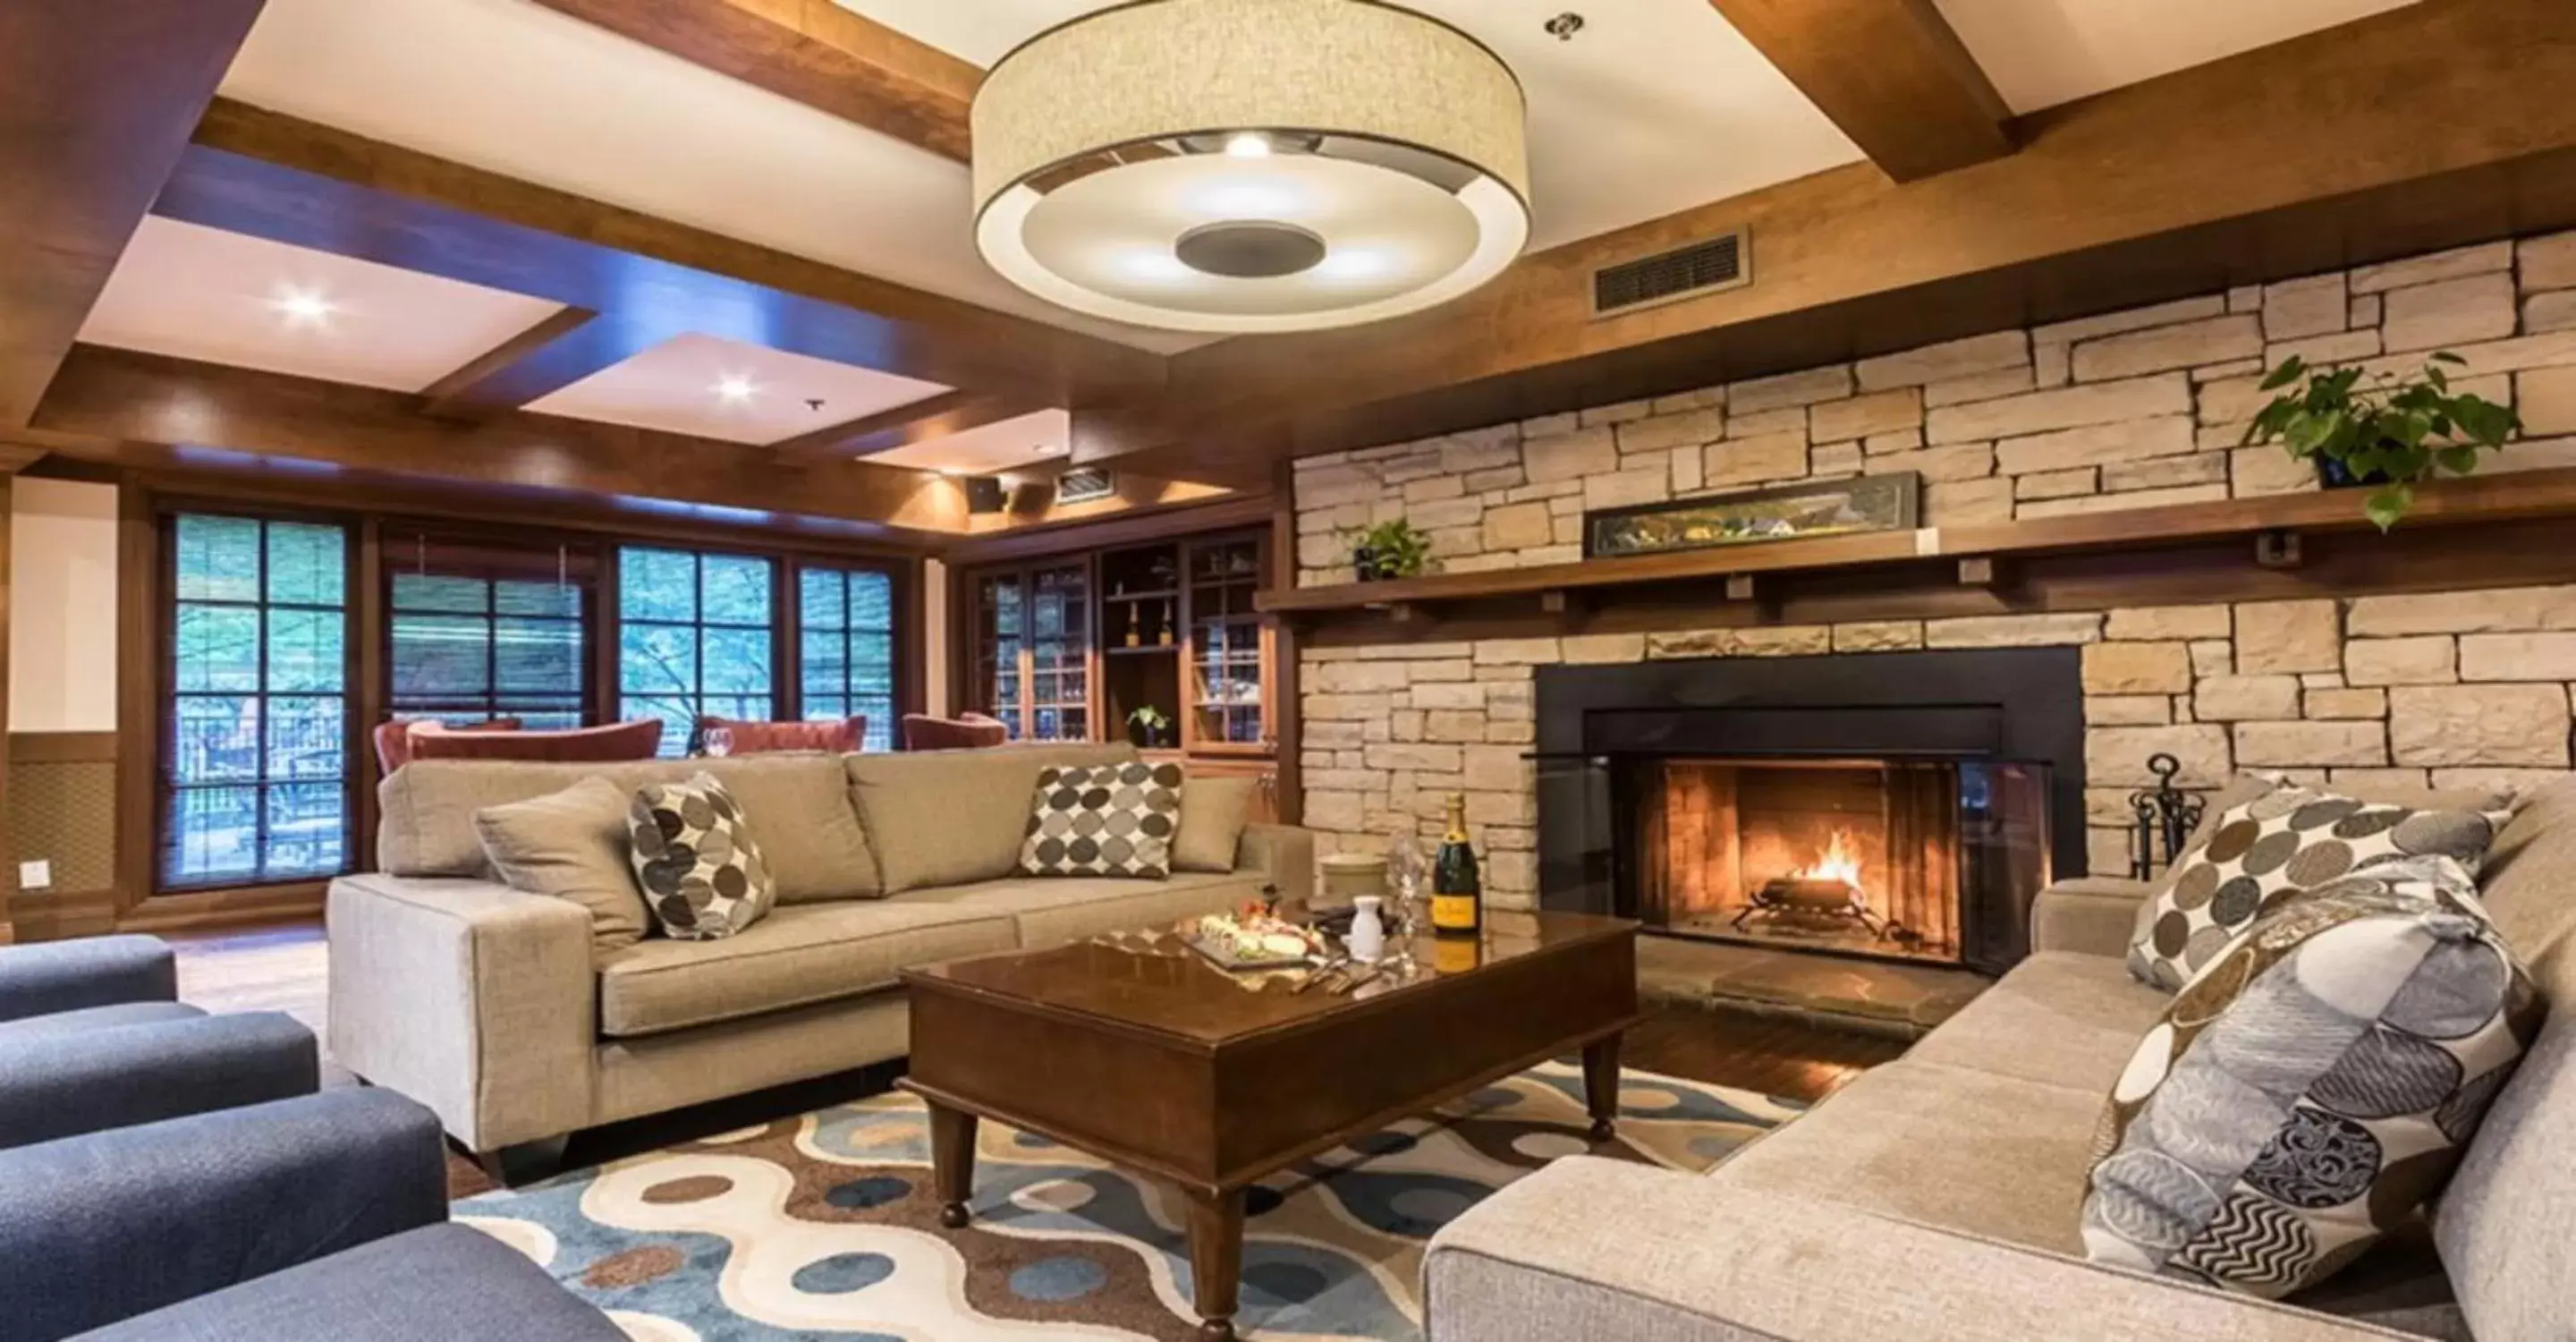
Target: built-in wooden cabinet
1076,647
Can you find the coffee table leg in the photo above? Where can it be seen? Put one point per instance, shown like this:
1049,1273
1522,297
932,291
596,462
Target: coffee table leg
952,1162
1216,1260
1601,1084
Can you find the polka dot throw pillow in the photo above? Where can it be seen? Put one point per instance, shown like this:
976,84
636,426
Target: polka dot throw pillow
2265,851
2312,1087
1103,820
702,872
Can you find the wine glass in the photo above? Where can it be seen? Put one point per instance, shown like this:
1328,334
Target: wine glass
718,742
1405,867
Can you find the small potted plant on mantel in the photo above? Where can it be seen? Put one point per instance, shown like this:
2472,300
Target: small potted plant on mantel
2388,435
1392,549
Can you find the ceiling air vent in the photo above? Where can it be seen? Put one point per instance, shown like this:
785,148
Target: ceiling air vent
1082,484
1706,267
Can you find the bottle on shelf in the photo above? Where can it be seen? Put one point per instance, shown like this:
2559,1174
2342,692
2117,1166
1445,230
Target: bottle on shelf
1457,891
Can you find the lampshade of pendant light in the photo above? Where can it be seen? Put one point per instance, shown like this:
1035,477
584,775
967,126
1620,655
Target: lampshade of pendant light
1241,166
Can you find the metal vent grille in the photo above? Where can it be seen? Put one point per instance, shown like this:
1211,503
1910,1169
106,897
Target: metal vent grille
1723,262
1082,484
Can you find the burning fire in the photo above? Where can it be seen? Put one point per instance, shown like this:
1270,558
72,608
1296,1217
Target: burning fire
1839,863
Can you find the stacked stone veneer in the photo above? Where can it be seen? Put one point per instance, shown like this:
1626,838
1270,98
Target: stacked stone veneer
2132,409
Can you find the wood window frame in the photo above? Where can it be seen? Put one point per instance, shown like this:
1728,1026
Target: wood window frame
389,566
906,687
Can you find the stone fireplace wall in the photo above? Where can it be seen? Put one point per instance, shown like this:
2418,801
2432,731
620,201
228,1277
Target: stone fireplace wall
2131,409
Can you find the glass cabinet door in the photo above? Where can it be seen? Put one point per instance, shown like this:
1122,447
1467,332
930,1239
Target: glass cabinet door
999,620
1059,703
1227,692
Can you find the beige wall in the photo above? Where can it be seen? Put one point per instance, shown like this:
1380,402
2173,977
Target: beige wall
62,607
934,638
2130,409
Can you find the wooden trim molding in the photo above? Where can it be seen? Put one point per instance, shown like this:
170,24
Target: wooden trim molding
62,747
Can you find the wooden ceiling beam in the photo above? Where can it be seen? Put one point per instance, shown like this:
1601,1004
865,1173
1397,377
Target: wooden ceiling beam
279,177
942,416
148,410
1891,73
2182,185
556,352
814,52
97,98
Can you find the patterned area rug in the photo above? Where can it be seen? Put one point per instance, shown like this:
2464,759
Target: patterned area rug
824,1226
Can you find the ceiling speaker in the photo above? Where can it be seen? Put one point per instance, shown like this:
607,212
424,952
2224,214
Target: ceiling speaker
984,494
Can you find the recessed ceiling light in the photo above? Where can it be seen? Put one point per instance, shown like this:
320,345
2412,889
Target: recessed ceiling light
734,389
1050,449
302,307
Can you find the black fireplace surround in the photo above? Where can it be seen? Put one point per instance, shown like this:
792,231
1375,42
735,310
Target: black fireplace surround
2022,705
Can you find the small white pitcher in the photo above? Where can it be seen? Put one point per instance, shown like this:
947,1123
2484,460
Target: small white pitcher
1367,938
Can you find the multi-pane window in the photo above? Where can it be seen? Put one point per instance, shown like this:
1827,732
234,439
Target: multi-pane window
694,637
845,644
256,784
483,632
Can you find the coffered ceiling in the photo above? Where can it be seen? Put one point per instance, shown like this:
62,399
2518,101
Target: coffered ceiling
678,215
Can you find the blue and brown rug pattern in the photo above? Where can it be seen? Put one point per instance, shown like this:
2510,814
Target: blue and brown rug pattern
824,1227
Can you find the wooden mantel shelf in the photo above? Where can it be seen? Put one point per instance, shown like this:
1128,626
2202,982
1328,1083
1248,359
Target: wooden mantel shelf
2270,526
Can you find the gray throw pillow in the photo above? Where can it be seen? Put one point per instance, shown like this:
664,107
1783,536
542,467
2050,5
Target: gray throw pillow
2268,849
2309,1090
570,845
1213,814
1104,820
701,869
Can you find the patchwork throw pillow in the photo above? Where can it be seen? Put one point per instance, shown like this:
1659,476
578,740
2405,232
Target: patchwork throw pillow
2286,840
1103,820
702,871
2312,1087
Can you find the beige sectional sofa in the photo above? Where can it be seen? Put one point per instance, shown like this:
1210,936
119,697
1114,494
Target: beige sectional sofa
1935,1199
496,1008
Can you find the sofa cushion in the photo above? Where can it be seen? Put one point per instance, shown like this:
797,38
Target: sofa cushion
2058,1017
797,955
571,845
1967,1151
809,833
955,817
2274,845
2504,1228
1103,820
698,858
1056,911
1213,814
2310,1089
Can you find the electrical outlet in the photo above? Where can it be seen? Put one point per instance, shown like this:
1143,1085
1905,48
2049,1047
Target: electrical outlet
36,875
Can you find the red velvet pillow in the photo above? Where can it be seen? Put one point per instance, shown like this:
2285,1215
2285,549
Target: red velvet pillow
842,737
590,745
393,739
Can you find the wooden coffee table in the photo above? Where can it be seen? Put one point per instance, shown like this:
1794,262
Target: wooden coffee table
1149,1057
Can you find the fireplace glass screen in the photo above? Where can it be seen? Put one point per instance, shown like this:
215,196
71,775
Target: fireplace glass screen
1885,858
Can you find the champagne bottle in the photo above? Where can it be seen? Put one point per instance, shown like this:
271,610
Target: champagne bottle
1457,892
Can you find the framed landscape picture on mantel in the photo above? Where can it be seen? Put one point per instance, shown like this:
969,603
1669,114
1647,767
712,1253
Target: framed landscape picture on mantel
1786,513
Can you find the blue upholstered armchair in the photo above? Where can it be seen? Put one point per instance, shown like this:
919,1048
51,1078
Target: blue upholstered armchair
92,1038
322,1217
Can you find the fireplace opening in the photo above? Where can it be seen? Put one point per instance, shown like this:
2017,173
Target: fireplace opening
1887,858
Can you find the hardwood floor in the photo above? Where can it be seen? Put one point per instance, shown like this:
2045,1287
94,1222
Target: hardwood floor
286,968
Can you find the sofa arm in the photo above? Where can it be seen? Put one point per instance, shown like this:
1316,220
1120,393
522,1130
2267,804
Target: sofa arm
64,1085
1283,853
102,1227
93,972
2091,915
1601,1249
470,997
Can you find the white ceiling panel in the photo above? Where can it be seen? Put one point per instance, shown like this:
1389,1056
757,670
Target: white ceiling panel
2044,52
1656,106
1006,445
202,293
711,388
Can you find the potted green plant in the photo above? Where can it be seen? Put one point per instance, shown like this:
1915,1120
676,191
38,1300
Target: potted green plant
1392,549
2389,434
1147,725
